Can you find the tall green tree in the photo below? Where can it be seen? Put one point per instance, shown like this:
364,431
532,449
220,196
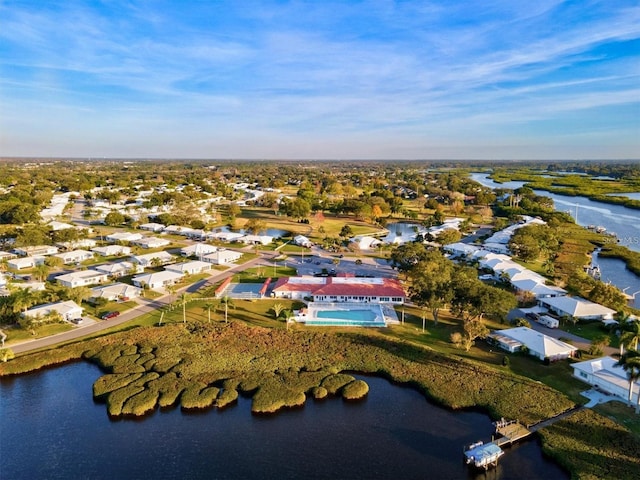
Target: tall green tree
630,363
430,283
227,301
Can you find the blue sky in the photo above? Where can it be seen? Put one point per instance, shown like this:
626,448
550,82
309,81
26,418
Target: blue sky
492,79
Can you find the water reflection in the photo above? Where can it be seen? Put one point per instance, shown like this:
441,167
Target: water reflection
395,432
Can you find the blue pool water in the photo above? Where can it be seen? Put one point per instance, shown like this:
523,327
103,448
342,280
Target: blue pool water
359,315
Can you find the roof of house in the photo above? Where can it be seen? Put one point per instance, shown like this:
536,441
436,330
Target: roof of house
79,275
186,266
534,286
162,255
60,307
150,278
578,307
117,289
342,286
538,342
606,369
116,267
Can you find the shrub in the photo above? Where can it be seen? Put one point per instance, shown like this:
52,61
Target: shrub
333,383
198,396
319,393
355,390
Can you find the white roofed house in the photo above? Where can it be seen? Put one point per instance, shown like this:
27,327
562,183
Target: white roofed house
151,259
112,250
36,251
152,227
123,237
538,344
67,310
82,278
222,257
118,269
577,307
197,250
157,280
115,291
74,257
82,243
603,374
537,288
460,250
256,239
151,242
302,241
366,242
189,268
25,262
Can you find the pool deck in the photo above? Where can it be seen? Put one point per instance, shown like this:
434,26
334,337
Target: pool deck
384,314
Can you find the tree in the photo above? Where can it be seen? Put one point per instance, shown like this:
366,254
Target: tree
277,309
472,330
227,301
630,363
41,271
598,343
255,226
405,256
184,299
447,236
6,354
346,231
207,308
114,218
78,294
430,283
234,210
631,334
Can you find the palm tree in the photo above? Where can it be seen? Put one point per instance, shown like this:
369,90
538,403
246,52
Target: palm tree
23,299
78,294
277,310
227,301
631,334
207,307
630,363
41,271
184,299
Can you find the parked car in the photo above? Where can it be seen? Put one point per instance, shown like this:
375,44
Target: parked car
110,315
77,321
532,316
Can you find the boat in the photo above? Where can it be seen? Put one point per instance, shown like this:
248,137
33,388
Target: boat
483,455
600,229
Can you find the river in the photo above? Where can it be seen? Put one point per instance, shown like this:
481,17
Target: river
625,222
52,429
615,218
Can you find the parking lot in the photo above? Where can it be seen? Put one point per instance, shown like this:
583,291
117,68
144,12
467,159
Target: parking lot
334,265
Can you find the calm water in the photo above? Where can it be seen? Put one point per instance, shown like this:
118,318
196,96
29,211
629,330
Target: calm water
613,270
52,429
625,222
631,195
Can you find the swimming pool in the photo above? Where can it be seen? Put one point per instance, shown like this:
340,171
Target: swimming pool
344,314
360,315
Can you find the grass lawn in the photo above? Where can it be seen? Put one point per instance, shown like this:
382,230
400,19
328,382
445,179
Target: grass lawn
17,334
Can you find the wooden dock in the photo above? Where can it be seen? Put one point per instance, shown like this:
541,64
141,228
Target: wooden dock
510,431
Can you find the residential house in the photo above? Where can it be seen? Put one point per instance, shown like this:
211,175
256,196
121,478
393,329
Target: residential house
197,250
118,269
82,278
222,257
152,227
25,262
36,251
112,250
366,242
83,243
151,242
69,310
603,374
256,239
124,237
74,257
302,241
577,307
115,291
150,259
157,280
189,268
538,344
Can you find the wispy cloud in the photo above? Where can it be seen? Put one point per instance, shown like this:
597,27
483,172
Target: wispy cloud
404,72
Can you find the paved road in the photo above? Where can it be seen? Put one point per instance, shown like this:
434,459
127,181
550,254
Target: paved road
144,306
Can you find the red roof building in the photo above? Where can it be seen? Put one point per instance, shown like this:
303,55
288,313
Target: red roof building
340,289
